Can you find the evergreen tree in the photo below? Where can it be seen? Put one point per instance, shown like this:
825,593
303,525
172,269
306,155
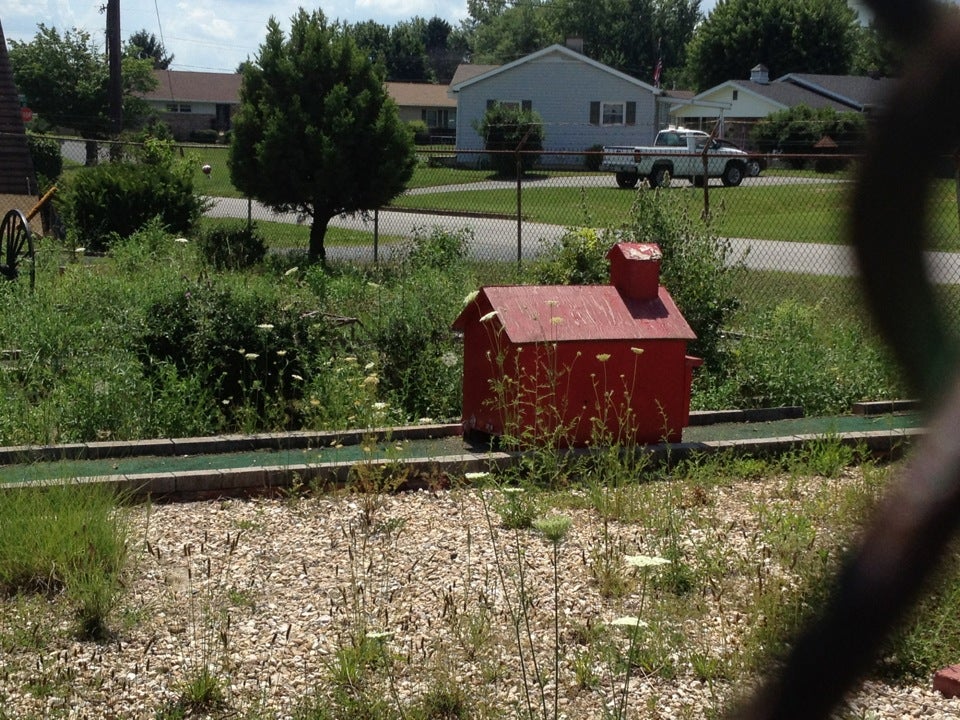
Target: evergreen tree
316,132
144,45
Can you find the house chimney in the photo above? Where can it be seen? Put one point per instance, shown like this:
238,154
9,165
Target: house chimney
575,44
635,270
760,74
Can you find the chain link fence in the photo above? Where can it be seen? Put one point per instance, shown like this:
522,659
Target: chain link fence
785,225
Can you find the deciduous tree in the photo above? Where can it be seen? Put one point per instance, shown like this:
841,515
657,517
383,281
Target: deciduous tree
316,132
65,79
810,36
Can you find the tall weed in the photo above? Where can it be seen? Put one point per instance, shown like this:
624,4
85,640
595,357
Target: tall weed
799,355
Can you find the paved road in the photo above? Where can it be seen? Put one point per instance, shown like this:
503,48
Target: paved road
496,238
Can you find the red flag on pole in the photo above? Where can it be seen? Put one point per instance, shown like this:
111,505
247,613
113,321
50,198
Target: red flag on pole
657,71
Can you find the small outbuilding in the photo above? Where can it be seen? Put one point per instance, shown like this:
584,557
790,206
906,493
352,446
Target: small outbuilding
579,365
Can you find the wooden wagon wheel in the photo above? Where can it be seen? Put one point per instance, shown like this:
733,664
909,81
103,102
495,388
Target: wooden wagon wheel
16,246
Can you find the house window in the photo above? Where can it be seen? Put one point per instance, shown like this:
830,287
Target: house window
439,117
179,108
736,94
612,113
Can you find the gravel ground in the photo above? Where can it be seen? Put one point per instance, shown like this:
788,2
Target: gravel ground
263,592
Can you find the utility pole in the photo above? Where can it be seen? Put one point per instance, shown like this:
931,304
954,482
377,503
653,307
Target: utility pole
115,92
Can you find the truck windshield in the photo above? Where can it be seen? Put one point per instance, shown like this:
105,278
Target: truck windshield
670,139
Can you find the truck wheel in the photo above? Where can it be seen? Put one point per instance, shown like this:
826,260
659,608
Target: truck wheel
660,177
627,179
753,167
732,174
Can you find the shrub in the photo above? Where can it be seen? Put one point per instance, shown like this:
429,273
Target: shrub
47,158
420,131
789,356
797,129
440,249
578,258
245,347
232,248
204,137
104,202
696,267
421,362
507,130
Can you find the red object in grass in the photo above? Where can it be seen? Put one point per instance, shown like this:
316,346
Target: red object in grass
573,365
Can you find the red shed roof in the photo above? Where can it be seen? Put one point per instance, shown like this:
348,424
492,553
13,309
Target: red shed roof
564,313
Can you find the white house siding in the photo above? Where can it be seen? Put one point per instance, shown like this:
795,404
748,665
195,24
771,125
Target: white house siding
560,88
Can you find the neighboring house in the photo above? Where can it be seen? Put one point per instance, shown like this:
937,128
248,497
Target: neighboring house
194,101
738,104
862,93
197,101
428,103
582,102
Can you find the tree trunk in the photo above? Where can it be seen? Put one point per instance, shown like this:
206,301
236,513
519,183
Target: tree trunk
318,230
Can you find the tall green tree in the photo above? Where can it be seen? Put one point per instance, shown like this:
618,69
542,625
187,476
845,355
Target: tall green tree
373,39
407,59
502,33
443,53
813,36
144,45
877,54
66,79
630,35
316,132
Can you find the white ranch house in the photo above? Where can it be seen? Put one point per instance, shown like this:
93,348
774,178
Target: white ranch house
583,103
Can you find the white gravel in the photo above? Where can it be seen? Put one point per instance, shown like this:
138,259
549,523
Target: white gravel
263,592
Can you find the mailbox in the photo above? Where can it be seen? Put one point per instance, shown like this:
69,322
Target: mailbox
579,365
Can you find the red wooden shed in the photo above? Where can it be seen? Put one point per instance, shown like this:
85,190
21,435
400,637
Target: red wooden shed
579,365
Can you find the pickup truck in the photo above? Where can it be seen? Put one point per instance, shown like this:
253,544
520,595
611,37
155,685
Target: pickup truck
676,153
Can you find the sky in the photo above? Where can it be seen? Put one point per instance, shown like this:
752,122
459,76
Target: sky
208,35
213,35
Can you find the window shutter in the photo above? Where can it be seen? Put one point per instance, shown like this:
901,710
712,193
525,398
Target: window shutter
594,112
526,105
631,113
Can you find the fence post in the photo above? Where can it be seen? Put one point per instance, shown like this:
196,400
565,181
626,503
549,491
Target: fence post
376,235
249,216
519,214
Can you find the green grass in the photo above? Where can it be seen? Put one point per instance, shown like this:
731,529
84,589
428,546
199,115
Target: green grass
803,213
65,538
280,235
217,183
811,212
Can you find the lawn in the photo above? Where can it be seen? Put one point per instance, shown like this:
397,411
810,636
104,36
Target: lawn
808,210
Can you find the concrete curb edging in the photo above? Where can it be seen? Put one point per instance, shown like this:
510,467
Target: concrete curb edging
427,472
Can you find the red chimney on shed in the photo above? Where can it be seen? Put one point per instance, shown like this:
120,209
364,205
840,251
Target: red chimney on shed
579,365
